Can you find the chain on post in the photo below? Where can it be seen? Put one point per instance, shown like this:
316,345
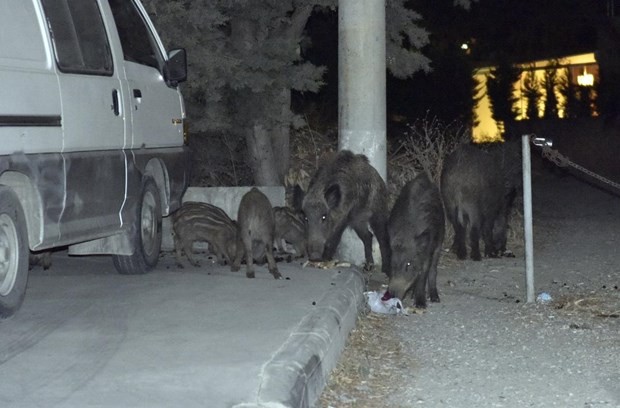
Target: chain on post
562,161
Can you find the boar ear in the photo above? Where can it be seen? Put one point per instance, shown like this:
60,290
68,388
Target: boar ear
298,197
333,196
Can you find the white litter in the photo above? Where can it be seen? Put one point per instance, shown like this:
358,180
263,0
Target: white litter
389,306
543,297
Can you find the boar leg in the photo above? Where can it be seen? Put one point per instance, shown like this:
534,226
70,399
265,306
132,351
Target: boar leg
280,247
249,258
487,237
331,244
300,250
366,237
493,248
178,251
271,262
432,275
421,266
189,252
222,257
419,291
459,241
379,227
235,265
188,248
474,242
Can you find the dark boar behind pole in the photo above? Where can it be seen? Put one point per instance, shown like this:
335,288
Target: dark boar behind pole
256,229
291,228
478,187
416,228
204,222
346,191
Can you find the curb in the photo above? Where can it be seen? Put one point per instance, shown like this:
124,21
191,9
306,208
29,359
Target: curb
298,372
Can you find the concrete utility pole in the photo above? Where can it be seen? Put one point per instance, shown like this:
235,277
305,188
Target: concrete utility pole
527,217
361,95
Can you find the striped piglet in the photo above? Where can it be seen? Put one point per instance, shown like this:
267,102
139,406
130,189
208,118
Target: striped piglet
203,222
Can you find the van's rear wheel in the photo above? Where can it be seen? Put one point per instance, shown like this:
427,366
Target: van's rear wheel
13,253
146,234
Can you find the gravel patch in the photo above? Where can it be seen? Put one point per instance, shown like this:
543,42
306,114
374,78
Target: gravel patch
483,345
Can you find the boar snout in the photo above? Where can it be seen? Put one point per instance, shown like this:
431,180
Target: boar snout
315,252
316,245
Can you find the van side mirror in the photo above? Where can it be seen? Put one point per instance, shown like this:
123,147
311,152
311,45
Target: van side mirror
175,69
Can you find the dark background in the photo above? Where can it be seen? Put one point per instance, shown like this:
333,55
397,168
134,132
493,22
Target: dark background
494,30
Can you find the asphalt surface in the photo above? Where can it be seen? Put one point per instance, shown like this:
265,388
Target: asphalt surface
192,337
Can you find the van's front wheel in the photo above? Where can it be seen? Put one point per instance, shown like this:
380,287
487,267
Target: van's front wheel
13,253
145,234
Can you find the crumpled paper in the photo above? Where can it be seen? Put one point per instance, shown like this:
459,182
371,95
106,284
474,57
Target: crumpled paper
391,305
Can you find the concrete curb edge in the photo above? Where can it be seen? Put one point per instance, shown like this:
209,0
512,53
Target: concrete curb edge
297,374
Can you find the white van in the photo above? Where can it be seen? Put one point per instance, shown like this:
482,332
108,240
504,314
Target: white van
92,151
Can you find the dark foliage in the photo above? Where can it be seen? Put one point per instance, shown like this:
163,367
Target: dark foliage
500,84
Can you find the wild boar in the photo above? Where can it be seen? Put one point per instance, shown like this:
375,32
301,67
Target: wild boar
257,230
416,228
204,222
478,187
346,191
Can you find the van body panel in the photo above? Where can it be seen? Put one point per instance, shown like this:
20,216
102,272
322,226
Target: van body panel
176,177
88,118
95,192
42,196
154,107
30,112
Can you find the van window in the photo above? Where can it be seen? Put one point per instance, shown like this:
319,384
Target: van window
138,43
21,43
80,39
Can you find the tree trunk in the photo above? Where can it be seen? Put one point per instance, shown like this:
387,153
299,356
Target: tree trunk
267,133
262,158
266,110
282,136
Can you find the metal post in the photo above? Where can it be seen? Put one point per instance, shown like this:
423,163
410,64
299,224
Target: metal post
361,94
527,217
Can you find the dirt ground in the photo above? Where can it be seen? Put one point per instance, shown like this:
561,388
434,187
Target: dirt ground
483,345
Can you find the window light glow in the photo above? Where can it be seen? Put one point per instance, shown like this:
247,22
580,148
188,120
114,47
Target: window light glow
585,79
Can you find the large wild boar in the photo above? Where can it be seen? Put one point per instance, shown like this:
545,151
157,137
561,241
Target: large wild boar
416,228
204,222
478,187
346,191
257,230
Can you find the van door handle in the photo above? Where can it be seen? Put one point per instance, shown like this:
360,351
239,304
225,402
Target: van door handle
137,93
116,104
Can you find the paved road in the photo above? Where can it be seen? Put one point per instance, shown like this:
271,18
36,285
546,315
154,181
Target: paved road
193,337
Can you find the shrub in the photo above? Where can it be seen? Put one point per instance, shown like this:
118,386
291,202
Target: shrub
423,149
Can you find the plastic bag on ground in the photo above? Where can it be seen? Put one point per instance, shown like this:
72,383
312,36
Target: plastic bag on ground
379,302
